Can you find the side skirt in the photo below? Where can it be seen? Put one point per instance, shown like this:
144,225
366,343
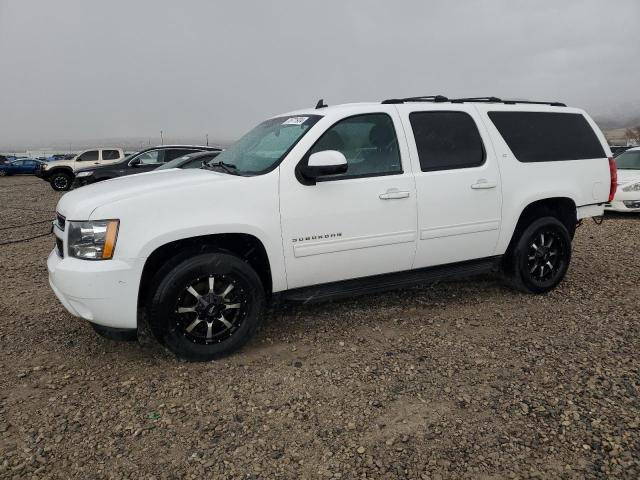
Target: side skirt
391,281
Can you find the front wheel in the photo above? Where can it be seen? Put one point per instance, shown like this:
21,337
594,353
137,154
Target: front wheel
3,173
541,256
60,181
207,306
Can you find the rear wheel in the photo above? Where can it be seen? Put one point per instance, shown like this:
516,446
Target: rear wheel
3,173
540,258
60,181
207,306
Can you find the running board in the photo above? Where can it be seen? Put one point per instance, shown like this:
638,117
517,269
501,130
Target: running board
391,281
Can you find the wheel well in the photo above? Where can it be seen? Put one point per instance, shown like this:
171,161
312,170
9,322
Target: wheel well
53,171
245,246
564,209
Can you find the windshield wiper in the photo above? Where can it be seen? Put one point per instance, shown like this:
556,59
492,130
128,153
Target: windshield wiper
227,167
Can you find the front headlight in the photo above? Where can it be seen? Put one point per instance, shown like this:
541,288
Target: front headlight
93,240
84,174
635,187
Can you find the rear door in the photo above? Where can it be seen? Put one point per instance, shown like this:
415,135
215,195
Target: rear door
108,156
457,183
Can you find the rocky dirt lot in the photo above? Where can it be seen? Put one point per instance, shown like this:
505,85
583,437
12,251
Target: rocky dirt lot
459,380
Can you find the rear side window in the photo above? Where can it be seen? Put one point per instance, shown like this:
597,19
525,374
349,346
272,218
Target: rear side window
110,154
87,156
446,140
547,136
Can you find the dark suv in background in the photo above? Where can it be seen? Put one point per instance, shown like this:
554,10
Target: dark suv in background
142,161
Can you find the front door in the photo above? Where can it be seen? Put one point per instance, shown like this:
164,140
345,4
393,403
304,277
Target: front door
359,223
457,181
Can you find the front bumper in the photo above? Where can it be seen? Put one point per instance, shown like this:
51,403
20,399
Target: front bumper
624,202
103,292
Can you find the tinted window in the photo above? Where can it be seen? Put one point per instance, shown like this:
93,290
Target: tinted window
150,157
547,136
175,153
368,142
446,140
87,156
110,154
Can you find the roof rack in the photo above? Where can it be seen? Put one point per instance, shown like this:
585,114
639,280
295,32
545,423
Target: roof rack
442,98
426,98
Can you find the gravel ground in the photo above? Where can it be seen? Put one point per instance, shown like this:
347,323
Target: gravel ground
458,380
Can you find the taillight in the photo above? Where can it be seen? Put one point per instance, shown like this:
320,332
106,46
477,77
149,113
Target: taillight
613,170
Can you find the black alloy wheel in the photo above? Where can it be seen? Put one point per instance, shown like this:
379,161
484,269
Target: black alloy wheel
540,258
206,305
60,182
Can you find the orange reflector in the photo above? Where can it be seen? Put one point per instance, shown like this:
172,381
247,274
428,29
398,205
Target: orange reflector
110,239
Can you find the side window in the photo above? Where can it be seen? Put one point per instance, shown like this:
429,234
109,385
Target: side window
150,158
91,155
446,140
368,142
547,136
110,154
171,154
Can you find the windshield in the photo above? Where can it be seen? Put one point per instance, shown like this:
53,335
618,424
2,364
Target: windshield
266,145
629,160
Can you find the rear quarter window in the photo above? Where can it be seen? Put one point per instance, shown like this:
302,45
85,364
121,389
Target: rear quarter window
547,136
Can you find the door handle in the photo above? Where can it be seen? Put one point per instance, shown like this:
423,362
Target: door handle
393,194
483,184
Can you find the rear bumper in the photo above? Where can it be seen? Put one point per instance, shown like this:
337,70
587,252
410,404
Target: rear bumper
102,292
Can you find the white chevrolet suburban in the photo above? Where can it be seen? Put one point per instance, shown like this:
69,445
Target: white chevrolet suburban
331,202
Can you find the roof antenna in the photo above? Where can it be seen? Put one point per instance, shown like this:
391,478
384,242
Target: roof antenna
320,104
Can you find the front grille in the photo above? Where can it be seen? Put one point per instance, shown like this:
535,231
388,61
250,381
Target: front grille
60,247
60,221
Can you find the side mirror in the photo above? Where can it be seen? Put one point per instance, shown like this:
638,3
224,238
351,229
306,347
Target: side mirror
327,162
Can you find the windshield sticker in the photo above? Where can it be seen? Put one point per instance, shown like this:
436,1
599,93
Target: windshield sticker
295,121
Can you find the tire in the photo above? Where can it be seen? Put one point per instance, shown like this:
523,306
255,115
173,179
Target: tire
3,173
540,257
120,335
200,323
60,182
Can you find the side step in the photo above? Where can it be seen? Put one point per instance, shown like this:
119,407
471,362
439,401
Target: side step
391,281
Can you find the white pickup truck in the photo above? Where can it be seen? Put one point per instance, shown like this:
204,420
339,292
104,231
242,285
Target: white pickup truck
331,202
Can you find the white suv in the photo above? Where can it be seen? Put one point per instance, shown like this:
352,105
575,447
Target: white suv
330,202
60,173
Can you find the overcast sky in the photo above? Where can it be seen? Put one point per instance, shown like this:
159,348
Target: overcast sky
78,69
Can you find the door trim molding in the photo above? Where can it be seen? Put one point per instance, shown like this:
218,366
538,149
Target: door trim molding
353,243
460,229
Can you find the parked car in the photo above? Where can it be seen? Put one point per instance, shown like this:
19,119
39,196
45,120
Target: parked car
60,174
20,167
618,149
332,202
143,161
627,198
192,160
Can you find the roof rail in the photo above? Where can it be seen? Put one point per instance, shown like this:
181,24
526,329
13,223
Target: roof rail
442,98
426,98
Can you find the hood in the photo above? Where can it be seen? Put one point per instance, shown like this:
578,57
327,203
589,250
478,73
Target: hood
628,176
79,204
